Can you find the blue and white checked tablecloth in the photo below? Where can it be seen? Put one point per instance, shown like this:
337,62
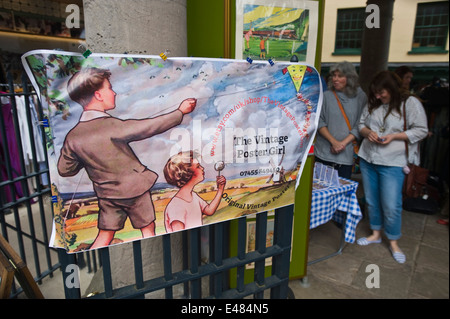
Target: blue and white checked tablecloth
334,203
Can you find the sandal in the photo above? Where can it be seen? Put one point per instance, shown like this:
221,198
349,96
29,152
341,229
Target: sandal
364,242
398,256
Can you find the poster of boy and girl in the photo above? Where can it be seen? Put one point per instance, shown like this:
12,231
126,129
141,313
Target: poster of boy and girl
117,170
121,182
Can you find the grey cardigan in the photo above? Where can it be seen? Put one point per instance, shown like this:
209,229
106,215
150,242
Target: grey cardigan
331,117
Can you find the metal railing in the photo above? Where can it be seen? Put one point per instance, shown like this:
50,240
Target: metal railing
216,269
24,184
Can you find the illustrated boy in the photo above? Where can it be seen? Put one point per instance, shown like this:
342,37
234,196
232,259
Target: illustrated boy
262,47
99,143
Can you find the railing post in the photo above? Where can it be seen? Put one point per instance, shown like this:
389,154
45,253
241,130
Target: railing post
281,263
71,291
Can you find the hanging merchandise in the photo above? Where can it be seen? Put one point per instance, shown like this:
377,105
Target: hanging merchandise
140,146
25,131
30,137
11,156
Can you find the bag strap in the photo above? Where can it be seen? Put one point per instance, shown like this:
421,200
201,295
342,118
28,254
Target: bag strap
404,129
342,110
355,143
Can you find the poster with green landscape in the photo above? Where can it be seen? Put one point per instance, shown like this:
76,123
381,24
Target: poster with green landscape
276,30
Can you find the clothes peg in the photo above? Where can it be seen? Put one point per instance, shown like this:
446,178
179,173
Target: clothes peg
86,52
164,55
44,123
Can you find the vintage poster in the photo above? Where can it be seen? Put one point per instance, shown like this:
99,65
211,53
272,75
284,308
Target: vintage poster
276,30
141,146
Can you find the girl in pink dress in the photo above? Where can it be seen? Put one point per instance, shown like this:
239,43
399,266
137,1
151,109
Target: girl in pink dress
247,37
186,209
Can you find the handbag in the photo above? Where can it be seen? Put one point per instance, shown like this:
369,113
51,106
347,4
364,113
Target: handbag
418,195
420,205
355,168
417,184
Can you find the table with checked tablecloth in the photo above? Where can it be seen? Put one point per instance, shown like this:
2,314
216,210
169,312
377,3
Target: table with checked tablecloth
339,204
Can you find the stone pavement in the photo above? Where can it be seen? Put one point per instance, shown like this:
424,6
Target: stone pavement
424,275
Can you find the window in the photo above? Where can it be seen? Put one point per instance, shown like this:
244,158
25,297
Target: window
430,33
349,31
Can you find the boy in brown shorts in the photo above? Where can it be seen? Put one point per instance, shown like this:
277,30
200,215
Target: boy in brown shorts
99,143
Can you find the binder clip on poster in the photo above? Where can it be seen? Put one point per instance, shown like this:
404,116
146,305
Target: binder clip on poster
294,58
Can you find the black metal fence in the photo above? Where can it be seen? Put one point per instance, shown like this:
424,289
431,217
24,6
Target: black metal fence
216,269
25,212
26,221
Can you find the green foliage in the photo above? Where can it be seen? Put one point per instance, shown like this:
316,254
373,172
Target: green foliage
135,62
65,239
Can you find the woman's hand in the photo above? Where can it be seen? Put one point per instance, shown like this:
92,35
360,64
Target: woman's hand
386,139
383,140
373,137
337,147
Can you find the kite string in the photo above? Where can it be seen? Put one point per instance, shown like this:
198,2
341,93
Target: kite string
219,95
68,208
67,212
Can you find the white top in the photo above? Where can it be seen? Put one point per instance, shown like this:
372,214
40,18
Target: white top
394,153
189,213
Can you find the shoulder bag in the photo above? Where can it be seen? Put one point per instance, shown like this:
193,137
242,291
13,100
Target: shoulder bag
418,195
355,143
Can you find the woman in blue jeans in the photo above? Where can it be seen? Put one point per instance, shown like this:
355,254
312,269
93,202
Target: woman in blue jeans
383,155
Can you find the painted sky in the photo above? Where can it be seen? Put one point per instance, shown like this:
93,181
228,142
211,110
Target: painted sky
260,16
